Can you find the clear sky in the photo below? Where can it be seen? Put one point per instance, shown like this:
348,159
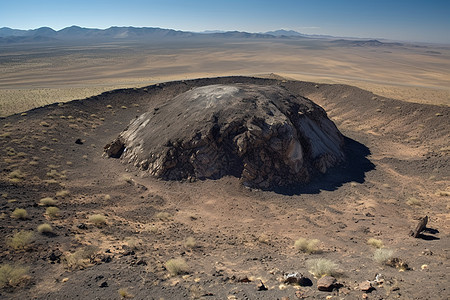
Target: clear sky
408,20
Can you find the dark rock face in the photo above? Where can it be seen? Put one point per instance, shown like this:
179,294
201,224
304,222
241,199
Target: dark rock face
262,134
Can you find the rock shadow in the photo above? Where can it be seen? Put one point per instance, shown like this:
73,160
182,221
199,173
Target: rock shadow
354,169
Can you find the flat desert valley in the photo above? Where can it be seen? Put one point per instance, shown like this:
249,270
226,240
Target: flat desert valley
114,231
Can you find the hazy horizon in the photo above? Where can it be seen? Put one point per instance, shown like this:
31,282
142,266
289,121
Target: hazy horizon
401,20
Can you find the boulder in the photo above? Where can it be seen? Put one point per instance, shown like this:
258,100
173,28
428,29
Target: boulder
326,283
262,134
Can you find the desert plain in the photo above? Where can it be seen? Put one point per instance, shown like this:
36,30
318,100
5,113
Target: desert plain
115,228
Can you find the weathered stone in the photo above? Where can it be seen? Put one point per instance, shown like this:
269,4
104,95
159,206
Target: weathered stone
366,286
420,227
261,286
326,283
262,134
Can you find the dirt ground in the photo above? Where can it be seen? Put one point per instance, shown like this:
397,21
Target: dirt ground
397,171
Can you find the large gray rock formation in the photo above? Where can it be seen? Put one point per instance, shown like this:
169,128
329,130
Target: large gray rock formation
262,134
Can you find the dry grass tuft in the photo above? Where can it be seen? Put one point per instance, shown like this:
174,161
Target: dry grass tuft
62,193
163,216
45,228
47,201
98,220
81,258
12,275
16,176
20,240
123,293
322,267
413,201
382,256
375,243
307,246
177,266
52,212
190,242
19,213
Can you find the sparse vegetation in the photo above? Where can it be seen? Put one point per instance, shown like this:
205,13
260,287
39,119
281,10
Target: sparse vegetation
47,201
19,213
375,243
20,240
16,176
190,242
382,256
177,266
163,216
321,267
12,275
52,212
413,201
45,228
123,293
62,193
81,258
307,246
98,220
107,197
44,124
443,193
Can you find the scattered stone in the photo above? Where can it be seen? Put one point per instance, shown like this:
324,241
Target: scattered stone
365,296
424,267
79,142
244,279
262,134
366,286
82,226
398,263
261,286
427,252
300,294
103,284
55,256
326,283
297,278
420,227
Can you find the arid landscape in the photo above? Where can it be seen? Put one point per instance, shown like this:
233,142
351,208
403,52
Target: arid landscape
115,232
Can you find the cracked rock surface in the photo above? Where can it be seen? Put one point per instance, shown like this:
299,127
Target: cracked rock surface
261,134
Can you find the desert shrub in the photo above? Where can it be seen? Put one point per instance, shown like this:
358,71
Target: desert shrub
443,193
177,266
413,201
16,176
321,267
12,275
189,242
123,293
107,197
62,193
382,256
47,201
375,243
20,240
45,228
80,258
44,124
307,246
98,219
163,216
52,212
19,213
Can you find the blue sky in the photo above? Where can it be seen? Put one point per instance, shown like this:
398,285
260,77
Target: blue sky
409,20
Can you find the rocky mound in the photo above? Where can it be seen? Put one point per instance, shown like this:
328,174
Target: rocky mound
262,134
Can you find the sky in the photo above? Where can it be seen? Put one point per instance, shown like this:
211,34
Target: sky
404,20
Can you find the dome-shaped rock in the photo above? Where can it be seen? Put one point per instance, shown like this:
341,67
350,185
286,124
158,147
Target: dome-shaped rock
262,134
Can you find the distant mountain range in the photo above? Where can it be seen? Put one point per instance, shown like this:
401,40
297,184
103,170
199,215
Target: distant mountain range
76,33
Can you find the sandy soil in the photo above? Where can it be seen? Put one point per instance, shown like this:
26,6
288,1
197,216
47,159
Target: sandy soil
396,151
35,75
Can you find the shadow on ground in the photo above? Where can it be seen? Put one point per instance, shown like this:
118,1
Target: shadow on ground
354,169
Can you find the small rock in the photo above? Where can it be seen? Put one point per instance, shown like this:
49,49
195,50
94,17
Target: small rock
300,294
424,267
82,226
244,279
366,286
297,278
427,252
326,283
79,142
261,286
103,284
365,296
